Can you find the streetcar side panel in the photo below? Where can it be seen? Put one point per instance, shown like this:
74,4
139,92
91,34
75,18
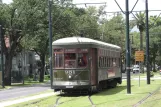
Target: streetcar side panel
109,68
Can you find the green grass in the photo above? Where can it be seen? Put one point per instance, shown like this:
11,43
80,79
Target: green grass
145,74
33,101
6,87
42,102
153,101
29,81
116,97
1,87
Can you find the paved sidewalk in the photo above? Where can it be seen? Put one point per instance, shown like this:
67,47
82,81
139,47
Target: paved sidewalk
11,102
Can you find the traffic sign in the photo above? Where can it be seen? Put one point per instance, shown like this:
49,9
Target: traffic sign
139,56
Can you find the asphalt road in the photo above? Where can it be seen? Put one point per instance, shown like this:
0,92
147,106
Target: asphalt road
17,92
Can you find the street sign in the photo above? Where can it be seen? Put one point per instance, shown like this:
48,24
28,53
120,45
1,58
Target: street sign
139,56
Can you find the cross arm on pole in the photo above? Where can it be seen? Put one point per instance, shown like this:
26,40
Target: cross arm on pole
119,7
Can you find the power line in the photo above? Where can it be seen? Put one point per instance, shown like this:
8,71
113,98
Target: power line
119,7
134,6
132,11
88,3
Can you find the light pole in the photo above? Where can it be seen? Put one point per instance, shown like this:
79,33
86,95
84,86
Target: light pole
128,49
50,41
147,42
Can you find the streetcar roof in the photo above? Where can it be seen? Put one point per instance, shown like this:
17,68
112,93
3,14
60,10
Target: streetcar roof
81,40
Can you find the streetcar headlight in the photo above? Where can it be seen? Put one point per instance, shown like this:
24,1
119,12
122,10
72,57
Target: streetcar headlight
69,76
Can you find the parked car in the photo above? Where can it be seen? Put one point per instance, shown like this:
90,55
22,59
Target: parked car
136,68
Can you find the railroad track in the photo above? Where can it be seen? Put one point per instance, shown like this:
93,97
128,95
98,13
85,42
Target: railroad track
149,95
89,97
57,103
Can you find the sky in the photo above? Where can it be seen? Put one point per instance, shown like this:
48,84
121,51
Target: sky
111,6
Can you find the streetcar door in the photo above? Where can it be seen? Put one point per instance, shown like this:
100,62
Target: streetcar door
93,66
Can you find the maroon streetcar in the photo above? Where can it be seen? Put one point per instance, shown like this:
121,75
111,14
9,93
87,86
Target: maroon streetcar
83,64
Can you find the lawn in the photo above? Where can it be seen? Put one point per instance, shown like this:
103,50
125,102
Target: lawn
30,81
116,97
153,101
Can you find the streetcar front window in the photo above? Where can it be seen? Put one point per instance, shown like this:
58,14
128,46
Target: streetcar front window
82,60
58,61
70,60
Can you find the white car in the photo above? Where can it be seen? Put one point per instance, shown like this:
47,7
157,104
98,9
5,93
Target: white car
136,68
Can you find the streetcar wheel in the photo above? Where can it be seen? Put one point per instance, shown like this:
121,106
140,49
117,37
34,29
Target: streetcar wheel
113,83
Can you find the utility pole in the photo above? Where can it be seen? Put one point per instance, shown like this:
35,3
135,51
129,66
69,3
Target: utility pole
128,68
50,42
2,68
147,43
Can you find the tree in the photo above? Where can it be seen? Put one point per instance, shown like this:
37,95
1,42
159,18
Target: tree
87,23
36,22
140,23
11,22
114,30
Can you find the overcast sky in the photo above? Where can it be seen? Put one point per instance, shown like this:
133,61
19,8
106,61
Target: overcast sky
112,6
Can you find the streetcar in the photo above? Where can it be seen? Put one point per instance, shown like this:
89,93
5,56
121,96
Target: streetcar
85,65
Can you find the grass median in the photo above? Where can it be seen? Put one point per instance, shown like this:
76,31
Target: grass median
115,97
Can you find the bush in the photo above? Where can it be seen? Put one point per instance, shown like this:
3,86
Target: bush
151,73
46,77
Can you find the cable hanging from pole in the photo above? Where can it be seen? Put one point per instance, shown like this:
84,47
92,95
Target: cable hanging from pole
119,7
134,16
134,6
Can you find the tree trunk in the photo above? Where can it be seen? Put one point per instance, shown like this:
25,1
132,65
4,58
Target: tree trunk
141,40
8,66
42,58
154,70
154,62
141,48
30,71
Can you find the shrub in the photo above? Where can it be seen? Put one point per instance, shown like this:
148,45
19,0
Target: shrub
151,73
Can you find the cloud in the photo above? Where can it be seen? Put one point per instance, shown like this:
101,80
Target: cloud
7,1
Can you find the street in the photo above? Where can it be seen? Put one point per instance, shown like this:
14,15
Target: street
17,92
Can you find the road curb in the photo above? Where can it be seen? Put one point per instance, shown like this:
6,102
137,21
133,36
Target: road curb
8,103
